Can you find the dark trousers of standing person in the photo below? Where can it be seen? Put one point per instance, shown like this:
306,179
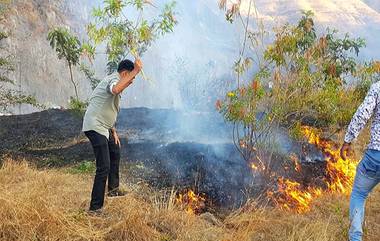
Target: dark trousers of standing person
107,154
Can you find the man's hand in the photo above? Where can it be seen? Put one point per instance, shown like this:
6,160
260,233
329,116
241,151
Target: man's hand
126,77
138,65
116,137
346,149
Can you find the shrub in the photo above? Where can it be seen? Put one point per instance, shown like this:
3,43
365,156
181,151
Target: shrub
301,78
77,107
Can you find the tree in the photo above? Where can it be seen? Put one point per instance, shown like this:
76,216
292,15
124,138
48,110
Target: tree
68,47
245,106
302,78
123,35
10,97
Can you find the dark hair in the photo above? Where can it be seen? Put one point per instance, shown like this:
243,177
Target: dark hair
125,65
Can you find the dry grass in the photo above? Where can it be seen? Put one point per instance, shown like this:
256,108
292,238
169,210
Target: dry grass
50,205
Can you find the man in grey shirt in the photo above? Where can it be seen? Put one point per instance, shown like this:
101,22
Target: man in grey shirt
98,125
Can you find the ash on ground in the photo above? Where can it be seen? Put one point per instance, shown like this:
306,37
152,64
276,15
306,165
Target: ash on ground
164,148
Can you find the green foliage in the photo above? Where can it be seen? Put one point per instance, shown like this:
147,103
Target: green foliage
243,103
86,167
3,35
166,21
306,24
308,78
78,107
90,75
11,98
311,74
68,47
125,36
7,67
88,51
304,78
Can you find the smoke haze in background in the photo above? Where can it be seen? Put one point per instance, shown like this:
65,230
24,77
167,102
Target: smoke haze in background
184,64
193,65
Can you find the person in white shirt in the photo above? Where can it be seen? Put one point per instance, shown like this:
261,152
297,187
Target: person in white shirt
368,170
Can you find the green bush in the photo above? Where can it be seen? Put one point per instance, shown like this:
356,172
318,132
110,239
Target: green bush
78,107
303,79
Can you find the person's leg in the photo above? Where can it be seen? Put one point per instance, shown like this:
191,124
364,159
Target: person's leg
365,181
113,177
100,146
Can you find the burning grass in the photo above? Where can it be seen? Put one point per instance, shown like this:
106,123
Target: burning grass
50,204
192,202
338,177
340,173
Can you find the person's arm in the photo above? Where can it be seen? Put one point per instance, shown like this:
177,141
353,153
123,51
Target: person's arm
361,117
127,79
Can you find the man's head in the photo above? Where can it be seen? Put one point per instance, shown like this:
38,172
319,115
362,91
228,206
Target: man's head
125,67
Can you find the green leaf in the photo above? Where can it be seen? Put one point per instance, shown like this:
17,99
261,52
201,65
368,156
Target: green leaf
123,35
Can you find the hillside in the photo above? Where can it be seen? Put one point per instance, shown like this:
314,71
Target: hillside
373,4
352,16
203,43
37,68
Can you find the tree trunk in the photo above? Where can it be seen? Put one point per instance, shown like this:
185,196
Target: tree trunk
72,80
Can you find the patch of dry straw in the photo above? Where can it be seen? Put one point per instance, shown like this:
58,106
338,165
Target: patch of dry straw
51,205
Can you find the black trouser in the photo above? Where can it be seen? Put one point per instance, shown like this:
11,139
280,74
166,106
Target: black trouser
107,155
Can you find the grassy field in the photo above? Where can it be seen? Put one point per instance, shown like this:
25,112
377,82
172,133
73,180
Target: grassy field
51,204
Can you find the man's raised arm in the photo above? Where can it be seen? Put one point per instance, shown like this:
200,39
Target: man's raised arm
126,78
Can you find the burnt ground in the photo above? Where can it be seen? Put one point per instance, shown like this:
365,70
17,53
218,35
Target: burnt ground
161,147
48,138
56,134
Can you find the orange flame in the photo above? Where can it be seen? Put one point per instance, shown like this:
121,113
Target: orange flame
297,165
254,167
340,176
294,197
340,173
193,203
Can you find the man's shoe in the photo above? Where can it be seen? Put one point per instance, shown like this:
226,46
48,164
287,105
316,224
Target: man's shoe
95,213
116,193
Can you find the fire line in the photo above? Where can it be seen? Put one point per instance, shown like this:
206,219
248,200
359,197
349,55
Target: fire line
339,177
